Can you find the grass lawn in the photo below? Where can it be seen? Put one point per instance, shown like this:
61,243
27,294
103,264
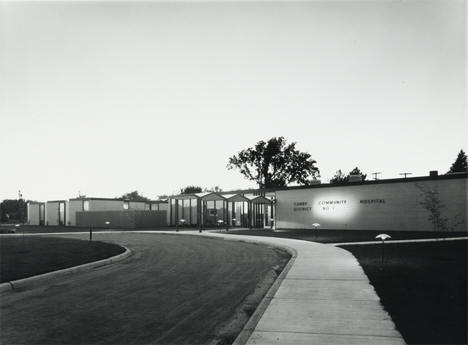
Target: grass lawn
29,229
30,256
423,286
341,236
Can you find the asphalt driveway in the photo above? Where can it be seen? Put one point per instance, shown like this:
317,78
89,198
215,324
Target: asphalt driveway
173,290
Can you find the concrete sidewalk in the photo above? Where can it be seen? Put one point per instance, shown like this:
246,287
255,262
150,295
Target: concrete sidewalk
325,298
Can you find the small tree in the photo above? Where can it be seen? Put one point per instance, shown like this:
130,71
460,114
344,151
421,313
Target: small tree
430,201
460,164
339,178
356,171
275,163
134,196
215,189
190,190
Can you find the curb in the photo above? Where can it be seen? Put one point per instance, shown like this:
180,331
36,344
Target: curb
419,240
20,284
250,325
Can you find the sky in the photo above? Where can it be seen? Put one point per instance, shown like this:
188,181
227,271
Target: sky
103,98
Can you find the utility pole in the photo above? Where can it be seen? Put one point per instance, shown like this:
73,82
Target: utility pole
20,206
375,174
406,173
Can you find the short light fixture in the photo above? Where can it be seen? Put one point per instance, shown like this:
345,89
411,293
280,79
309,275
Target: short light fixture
315,226
383,237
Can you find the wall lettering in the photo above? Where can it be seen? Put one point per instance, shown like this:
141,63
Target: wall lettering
329,205
372,201
303,206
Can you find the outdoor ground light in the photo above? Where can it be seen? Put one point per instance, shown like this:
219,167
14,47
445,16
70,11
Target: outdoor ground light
383,237
316,226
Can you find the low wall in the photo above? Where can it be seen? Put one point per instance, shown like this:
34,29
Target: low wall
122,219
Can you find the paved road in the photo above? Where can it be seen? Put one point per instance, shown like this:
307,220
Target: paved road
174,290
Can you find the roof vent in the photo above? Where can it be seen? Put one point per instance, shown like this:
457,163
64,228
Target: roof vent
433,173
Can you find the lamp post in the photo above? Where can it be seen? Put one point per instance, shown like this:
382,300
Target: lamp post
316,226
22,237
383,237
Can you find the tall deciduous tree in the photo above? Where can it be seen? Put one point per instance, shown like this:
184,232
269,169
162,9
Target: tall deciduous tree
460,164
275,163
13,210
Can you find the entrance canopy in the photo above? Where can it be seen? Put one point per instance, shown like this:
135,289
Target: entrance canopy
245,212
260,199
236,198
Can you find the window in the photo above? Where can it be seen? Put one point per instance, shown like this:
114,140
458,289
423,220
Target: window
86,205
126,205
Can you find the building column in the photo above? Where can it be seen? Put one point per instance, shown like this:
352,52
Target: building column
190,211
176,219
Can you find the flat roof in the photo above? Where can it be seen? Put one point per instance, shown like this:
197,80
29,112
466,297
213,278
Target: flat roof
117,199
350,184
93,198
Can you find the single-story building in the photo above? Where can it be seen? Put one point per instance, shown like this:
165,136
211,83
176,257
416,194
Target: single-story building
56,212
64,212
111,206
392,204
36,213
